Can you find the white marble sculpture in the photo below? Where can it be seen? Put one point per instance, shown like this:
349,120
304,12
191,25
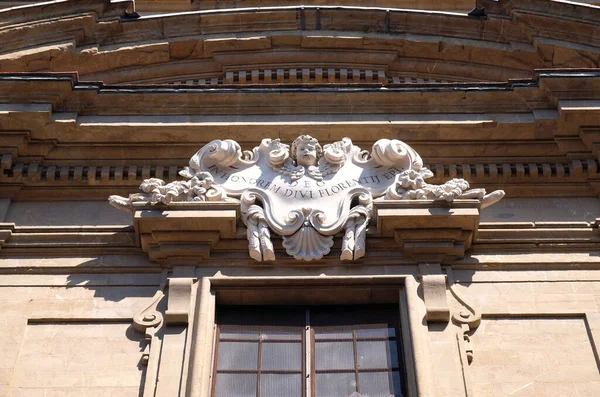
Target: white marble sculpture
306,193
200,187
411,185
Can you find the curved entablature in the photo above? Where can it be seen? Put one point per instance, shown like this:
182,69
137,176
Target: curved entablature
535,137
102,41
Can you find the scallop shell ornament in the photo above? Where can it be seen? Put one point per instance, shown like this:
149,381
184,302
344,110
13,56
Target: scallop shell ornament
307,244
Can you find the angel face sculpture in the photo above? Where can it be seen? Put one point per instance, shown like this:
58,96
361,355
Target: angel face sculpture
307,157
306,151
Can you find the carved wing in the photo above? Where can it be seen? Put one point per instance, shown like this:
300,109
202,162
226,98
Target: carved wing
279,160
334,157
288,168
316,172
326,168
279,153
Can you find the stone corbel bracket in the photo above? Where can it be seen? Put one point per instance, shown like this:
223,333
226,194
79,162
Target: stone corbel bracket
429,231
179,301
434,285
184,233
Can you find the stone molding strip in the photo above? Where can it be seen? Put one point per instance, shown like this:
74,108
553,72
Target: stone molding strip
491,237
28,238
539,234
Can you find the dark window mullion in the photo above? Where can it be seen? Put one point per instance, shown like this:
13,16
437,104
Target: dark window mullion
259,364
362,371
213,382
313,364
355,360
238,340
249,371
335,371
307,356
358,339
272,341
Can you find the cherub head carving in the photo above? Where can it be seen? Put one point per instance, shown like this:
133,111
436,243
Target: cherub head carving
306,157
306,150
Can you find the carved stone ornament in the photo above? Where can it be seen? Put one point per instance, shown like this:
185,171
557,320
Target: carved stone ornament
306,193
200,186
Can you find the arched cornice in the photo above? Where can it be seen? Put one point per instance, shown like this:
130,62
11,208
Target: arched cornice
102,42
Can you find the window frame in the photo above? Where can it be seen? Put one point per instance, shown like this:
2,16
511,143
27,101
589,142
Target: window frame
309,331
356,370
259,370
333,290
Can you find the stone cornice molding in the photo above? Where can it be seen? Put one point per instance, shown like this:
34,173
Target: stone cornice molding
66,93
460,45
540,7
47,10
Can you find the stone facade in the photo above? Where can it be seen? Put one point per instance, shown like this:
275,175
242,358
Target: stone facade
97,97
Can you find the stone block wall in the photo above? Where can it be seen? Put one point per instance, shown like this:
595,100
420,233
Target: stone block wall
66,317
538,335
67,341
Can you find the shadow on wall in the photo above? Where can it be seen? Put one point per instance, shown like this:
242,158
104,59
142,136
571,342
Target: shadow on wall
117,278
66,213
542,210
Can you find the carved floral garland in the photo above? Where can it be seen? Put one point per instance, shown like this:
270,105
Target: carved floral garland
200,187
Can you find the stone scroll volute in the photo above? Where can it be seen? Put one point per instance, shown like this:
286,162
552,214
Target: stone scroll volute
305,192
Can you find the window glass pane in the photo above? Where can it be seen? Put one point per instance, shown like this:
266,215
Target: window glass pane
238,356
279,333
285,316
279,385
239,385
377,354
333,332
237,332
375,331
334,355
380,384
281,356
335,385
276,335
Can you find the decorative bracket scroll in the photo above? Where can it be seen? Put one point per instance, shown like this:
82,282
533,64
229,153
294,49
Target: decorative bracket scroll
165,356
468,319
149,320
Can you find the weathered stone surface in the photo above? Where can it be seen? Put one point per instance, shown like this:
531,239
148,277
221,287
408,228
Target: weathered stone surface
94,100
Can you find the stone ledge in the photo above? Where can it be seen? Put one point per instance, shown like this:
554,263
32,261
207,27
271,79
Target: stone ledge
184,232
429,231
